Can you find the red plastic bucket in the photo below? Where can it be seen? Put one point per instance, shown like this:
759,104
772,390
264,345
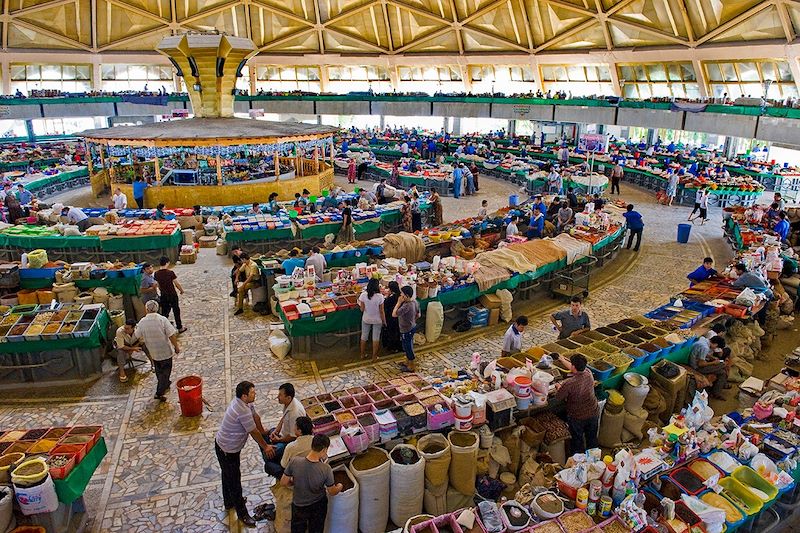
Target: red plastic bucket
190,395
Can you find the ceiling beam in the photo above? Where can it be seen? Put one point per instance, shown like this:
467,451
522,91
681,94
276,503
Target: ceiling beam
786,21
320,37
93,22
735,21
385,10
213,11
422,39
686,21
131,38
53,35
671,18
359,40
617,7
498,38
39,7
139,11
459,36
641,27
574,8
604,24
586,24
285,39
345,14
526,22
284,13
491,6
514,25
421,12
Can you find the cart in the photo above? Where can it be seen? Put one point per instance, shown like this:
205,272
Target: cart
574,280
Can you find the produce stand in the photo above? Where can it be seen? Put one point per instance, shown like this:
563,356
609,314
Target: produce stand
148,248
313,332
66,358
72,487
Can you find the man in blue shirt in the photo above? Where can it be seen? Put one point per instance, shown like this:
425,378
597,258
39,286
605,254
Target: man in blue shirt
458,173
634,221
536,225
538,202
23,195
293,262
139,185
781,228
703,272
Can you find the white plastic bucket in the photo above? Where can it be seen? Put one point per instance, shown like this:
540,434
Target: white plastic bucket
463,423
523,402
464,409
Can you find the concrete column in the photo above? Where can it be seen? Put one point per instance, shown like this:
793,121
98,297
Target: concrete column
382,122
651,136
5,75
445,123
252,71
97,78
323,78
456,127
29,130
700,75
615,85
729,147
512,127
319,120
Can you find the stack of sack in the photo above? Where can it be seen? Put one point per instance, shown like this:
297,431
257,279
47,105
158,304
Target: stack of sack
404,246
635,390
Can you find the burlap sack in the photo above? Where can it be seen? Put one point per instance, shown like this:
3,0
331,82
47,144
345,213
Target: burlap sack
511,440
611,429
532,437
283,508
633,423
464,455
532,473
437,464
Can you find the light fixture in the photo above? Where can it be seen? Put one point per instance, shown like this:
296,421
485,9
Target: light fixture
197,87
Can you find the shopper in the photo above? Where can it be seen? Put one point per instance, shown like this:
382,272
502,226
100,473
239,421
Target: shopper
25,196
127,343
483,212
782,228
119,199
236,257
391,332
301,445
703,272
312,479
161,339
169,287
148,289
458,174
416,213
239,422
572,320
633,219
512,340
373,317
435,202
286,430
139,186
407,312
704,358
294,262
700,204
346,235
616,177
577,391
672,187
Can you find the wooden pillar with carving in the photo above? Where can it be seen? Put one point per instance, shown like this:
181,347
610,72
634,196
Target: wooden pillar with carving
316,159
88,148
219,169
298,166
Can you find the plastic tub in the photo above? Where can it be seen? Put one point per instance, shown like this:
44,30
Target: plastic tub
750,478
686,480
741,496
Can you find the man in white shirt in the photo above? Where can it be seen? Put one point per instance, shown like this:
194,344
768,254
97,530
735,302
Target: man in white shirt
76,216
317,260
285,431
512,229
512,340
161,339
404,148
120,200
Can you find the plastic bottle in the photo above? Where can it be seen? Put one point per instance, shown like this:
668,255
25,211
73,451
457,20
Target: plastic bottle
610,471
582,498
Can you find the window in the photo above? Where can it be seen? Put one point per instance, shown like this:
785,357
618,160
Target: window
123,77
751,79
501,79
287,78
577,80
62,78
430,80
658,80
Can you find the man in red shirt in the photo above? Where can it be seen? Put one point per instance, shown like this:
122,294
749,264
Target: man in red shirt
169,286
583,411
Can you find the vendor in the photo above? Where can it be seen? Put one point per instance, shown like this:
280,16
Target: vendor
512,340
255,209
536,225
126,343
160,215
272,204
511,229
293,262
119,199
782,227
703,272
24,196
572,320
704,358
745,279
317,260
286,430
583,411
76,216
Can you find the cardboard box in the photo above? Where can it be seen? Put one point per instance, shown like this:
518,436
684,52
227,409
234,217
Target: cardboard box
494,316
490,301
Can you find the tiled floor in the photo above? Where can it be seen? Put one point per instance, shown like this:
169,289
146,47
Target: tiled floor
161,473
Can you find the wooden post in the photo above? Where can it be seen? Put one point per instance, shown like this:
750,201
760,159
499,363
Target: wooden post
277,164
298,167
88,148
157,170
219,169
316,159
333,153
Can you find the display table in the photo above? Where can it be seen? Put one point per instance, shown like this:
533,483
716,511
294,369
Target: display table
72,487
343,322
147,248
77,358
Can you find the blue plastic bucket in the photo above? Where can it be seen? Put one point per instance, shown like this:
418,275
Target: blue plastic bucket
683,233
513,200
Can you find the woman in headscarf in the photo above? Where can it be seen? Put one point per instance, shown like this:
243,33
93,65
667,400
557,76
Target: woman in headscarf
391,332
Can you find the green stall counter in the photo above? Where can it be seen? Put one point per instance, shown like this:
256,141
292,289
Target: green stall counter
72,487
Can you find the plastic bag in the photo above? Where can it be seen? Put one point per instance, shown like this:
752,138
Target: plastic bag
279,343
490,516
712,517
746,298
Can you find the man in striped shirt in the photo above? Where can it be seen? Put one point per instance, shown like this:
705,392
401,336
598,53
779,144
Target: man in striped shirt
239,422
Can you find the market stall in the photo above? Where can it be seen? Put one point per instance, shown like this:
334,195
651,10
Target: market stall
135,241
48,470
41,343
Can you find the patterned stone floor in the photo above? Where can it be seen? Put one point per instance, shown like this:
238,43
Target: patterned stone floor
161,473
